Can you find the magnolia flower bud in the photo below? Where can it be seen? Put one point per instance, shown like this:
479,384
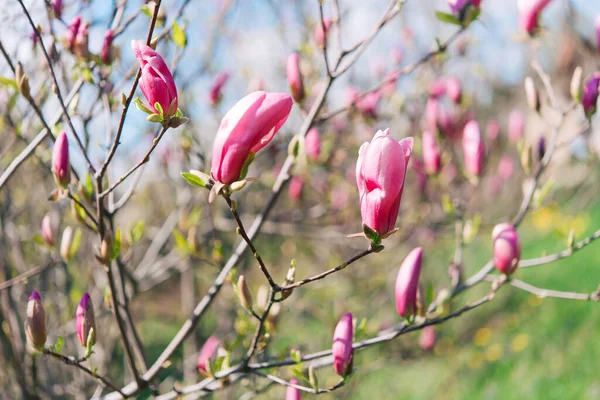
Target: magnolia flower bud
216,90
507,249
292,393
454,90
60,160
516,126
427,338
342,346
72,30
312,144
106,52
473,148
576,87
295,188
80,47
35,327
294,77
207,354
319,33
590,94
57,6
48,231
244,293
407,283
533,98
65,243
431,153
85,321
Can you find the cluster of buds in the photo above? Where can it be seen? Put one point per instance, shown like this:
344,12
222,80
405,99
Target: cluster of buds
76,38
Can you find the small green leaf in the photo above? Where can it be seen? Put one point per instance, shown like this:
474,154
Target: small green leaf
181,243
296,356
429,293
299,373
361,327
447,204
146,10
137,232
59,344
178,35
75,244
39,239
447,18
193,180
154,118
87,75
5,82
247,165
88,186
117,245
91,340
141,106
159,108
312,378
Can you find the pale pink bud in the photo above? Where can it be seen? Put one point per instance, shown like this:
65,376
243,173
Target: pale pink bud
319,34
215,94
295,188
454,89
590,94
84,320
246,128
60,160
597,27
516,126
35,327
473,148
529,14
294,77
380,174
106,52
156,82
342,345
407,283
437,88
313,144
507,249
427,338
208,353
292,393
72,30
48,231
493,130
505,167
367,104
431,153
80,47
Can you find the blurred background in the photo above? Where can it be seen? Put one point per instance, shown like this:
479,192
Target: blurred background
174,243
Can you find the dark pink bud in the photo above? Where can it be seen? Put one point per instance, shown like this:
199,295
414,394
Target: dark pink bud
156,82
72,30
380,174
507,249
407,283
541,147
60,160
505,167
48,231
493,130
431,153
295,188
428,338
342,345
216,89
454,90
590,94
292,393
473,148
294,77
84,320
35,327
459,7
319,34
246,128
208,353
529,14
106,52
313,144
57,6
516,126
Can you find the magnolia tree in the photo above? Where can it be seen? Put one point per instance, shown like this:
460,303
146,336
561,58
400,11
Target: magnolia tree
115,219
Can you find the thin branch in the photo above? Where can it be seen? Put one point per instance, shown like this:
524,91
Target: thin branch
300,387
25,276
322,22
557,256
541,292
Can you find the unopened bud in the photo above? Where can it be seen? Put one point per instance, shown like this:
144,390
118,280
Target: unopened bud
421,304
85,322
576,87
65,243
22,81
533,98
35,327
154,42
48,231
60,161
106,249
244,293
289,279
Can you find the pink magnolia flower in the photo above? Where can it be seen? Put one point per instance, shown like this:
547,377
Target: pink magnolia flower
156,82
72,30
454,89
48,231
516,126
507,249
246,128
597,27
493,130
215,94
319,34
294,77
590,94
427,338
295,188
35,327
291,392
208,353
84,320
342,345
505,167
431,153
437,88
313,144
473,148
60,160
529,14
106,52
407,283
380,174
367,104
57,6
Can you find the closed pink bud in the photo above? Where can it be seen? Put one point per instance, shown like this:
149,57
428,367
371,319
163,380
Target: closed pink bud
106,52
493,130
367,104
295,188
72,30
35,327
57,6
246,128
437,88
590,94
48,231
156,82
342,345
292,393
319,34
459,7
85,321
313,144
454,89
208,353
516,126
473,148
216,89
529,14
60,160
505,167
428,338
80,47
294,77
597,27
407,283
507,249
380,174
431,153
